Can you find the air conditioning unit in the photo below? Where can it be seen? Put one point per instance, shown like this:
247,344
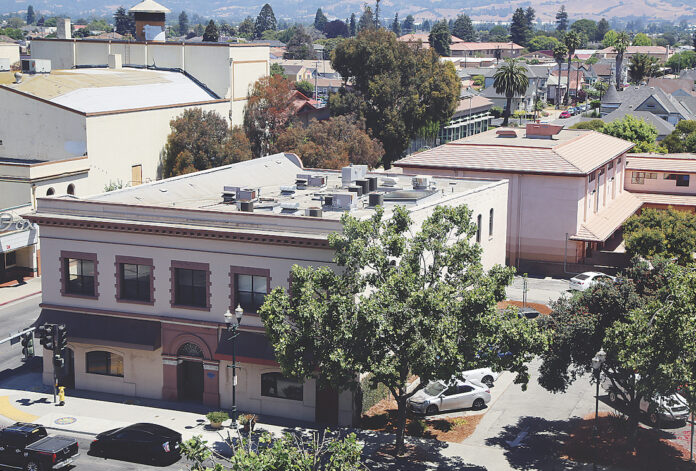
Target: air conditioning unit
420,182
389,181
343,201
352,173
36,66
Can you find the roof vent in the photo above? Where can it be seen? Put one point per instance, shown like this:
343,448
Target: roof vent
389,181
506,133
420,182
246,206
313,212
288,189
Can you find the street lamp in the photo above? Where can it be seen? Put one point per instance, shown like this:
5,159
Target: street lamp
232,329
597,363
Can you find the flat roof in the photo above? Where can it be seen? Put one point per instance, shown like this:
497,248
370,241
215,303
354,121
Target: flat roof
96,90
569,152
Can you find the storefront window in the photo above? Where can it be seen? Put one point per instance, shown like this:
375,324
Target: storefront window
276,385
104,363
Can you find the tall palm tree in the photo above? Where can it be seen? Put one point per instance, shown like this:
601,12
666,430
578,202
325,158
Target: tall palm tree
572,41
559,54
623,40
510,79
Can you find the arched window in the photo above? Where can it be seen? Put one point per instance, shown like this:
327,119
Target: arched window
490,223
50,192
478,228
277,385
190,349
104,363
71,189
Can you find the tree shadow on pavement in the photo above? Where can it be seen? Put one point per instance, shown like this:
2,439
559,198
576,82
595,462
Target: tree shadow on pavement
533,443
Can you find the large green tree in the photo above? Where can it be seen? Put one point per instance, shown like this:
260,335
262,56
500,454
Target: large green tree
396,89
620,44
635,130
681,139
367,19
642,39
124,23
300,45
409,25
183,23
246,28
404,301
396,26
562,20
661,233
31,16
211,33
643,66
510,79
463,28
440,38
320,20
266,21
602,28
559,54
201,140
268,112
520,30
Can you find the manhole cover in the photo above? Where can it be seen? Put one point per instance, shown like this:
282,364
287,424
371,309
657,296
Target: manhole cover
65,420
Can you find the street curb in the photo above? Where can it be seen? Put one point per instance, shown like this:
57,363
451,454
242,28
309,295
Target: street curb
20,298
64,430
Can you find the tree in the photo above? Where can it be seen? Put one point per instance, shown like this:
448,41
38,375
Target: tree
409,25
246,28
211,34
440,38
530,15
562,19
601,87
643,66
300,45
227,29
594,124
430,319
586,28
40,21
572,41
183,23
352,26
335,29
268,113
620,45
320,20
332,143
642,39
559,54
395,88
124,24
463,28
367,20
682,60
661,233
265,21
510,79
676,141
277,69
602,29
305,87
201,140
519,30
635,130
396,26
543,43
378,22
31,16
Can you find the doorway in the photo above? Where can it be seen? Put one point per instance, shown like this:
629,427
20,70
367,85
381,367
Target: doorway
190,379
326,409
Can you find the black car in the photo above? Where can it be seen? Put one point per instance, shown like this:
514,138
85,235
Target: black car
141,442
29,447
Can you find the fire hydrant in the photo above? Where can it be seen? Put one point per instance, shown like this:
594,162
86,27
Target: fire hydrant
61,395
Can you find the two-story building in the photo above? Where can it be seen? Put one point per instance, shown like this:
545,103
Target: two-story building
143,276
662,181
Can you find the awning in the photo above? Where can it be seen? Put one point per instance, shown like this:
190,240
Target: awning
603,224
106,330
250,347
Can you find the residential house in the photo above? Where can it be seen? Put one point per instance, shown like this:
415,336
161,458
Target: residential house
671,85
664,128
143,276
498,50
577,83
645,98
296,73
307,109
566,188
422,40
659,52
662,181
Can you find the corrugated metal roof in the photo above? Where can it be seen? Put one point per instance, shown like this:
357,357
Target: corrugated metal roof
662,163
607,221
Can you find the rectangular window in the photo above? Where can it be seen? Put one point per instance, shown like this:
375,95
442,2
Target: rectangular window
610,166
191,287
651,176
638,178
591,177
490,223
478,228
251,291
135,282
79,276
682,180
276,385
104,363
10,259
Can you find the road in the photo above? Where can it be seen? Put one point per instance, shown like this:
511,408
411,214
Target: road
13,318
539,290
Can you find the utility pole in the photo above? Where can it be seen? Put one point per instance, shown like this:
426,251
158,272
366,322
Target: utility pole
316,78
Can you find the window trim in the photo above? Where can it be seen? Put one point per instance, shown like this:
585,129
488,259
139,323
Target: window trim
237,270
109,364
172,283
120,259
65,254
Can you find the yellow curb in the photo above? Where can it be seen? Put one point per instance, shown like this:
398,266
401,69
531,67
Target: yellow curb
12,413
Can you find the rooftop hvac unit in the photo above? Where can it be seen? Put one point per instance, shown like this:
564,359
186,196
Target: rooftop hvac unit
345,201
288,189
376,199
389,181
352,173
373,183
328,200
364,185
355,189
246,206
246,194
313,212
36,66
316,181
290,205
420,182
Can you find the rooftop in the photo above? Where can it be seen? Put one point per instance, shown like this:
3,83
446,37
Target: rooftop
662,162
476,46
568,152
99,90
149,6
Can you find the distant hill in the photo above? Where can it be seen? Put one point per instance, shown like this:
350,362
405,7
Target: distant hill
484,10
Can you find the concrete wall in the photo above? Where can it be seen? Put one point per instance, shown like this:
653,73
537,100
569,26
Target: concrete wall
90,53
165,56
210,65
9,51
659,184
131,53
60,53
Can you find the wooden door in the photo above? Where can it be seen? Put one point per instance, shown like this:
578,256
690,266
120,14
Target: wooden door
136,175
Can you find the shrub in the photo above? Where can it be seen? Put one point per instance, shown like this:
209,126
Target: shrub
496,111
217,417
371,395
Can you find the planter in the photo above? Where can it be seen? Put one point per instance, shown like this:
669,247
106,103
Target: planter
216,419
248,422
216,425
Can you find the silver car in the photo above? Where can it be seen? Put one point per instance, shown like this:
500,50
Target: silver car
583,281
438,397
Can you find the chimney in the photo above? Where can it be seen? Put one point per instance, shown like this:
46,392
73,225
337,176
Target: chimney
63,28
542,131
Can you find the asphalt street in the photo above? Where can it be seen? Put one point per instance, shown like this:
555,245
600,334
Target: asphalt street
14,317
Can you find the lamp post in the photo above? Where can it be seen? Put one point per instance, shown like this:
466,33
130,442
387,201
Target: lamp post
597,363
232,329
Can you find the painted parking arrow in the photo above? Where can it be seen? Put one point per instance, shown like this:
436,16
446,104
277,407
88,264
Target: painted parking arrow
518,439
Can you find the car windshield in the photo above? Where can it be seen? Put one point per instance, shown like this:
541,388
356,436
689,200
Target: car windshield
434,389
582,277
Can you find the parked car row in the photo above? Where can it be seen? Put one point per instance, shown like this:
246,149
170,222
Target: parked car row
574,110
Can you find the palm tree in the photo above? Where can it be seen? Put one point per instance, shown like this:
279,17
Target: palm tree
510,79
572,41
623,40
642,66
559,54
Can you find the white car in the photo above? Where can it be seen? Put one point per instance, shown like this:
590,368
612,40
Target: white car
438,397
481,375
583,281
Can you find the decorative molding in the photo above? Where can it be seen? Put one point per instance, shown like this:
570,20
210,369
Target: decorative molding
64,254
189,266
170,362
119,259
236,270
210,367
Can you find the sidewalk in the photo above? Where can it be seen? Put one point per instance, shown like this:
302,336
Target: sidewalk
11,291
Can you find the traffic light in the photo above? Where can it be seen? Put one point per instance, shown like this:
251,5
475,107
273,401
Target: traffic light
58,363
28,345
61,339
47,336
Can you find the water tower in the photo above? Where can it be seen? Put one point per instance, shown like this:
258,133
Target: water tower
149,20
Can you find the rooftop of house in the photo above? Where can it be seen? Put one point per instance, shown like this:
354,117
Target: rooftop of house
424,38
101,90
634,96
538,149
476,46
670,85
662,162
663,127
636,50
149,6
247,193
688,74
471,102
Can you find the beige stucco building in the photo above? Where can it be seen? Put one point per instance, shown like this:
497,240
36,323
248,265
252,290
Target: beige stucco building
567,196
142,276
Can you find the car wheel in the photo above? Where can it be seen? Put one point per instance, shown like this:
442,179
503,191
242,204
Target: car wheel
613,397
653,418
33,466
488,381
431,410
479,404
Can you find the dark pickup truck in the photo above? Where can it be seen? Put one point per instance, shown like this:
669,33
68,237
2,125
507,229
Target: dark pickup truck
28,447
